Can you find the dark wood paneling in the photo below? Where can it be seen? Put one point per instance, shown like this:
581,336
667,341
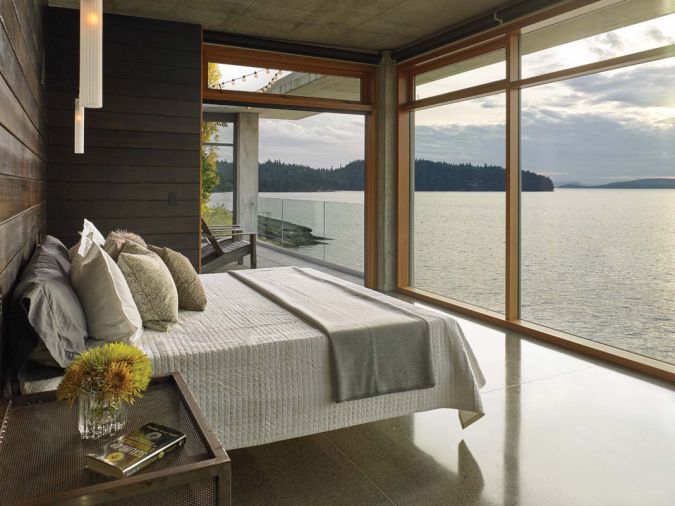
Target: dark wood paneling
128,138
140,169
143,226
17,159
138,105
129,87
112,157
58,209
105,119
15,119
22,145
127,174
19,230
70,191
68,73
18,194
24,83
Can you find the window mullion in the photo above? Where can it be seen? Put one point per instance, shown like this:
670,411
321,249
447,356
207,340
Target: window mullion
513,177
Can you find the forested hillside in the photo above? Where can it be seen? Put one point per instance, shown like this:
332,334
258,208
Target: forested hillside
276,176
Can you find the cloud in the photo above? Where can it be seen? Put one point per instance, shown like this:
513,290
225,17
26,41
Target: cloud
580,147
590,147
607,45
477,144
649,85
320,141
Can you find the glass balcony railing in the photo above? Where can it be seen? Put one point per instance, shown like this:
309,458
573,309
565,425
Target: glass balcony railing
323,230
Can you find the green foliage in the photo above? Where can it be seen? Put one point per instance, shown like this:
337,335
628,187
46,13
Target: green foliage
210,177
209,154
216,215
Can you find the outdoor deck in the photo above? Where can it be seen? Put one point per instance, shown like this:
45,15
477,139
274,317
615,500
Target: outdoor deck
273,257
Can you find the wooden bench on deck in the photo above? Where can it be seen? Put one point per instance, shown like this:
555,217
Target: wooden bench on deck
225,244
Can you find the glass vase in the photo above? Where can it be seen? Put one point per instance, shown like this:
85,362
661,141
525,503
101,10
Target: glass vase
97,417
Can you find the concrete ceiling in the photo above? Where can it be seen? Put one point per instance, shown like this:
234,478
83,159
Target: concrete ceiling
367,25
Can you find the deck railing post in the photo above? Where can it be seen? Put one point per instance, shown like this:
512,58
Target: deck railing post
282,223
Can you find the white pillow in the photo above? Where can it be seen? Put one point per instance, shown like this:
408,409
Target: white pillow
88,235
106,299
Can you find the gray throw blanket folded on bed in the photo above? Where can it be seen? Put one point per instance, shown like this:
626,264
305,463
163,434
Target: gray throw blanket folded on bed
376,347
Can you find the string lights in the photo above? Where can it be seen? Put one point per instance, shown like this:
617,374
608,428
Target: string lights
255,75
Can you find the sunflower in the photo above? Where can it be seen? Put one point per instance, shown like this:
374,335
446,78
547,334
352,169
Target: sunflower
73,381
115,372
118,382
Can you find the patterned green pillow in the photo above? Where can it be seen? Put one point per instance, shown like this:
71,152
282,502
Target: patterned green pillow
191,295
151,286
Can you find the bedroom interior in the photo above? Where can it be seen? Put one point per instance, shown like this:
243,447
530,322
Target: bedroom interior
472,306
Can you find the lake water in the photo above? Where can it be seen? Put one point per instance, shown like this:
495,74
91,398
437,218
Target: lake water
596,263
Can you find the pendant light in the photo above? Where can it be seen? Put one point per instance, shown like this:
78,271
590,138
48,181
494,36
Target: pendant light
91,53
79,127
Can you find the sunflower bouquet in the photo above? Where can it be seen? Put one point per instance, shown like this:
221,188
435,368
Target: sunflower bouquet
102,380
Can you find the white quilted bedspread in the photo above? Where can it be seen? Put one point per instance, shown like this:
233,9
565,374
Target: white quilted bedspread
260,374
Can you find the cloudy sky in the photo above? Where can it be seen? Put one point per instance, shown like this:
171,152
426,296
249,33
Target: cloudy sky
594,129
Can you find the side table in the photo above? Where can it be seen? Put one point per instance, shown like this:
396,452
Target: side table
42,458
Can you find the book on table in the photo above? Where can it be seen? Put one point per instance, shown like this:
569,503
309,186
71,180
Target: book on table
129,453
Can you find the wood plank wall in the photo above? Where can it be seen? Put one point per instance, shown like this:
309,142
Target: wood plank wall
22,138
140,169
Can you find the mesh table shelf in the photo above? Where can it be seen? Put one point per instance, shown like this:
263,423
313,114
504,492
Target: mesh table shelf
42,458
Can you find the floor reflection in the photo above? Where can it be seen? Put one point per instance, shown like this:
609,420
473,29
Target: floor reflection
559,430
512,416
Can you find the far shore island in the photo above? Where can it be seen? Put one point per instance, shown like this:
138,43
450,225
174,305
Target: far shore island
430,176
655,183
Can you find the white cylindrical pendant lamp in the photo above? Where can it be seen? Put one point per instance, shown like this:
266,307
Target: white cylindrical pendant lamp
91,53
79,127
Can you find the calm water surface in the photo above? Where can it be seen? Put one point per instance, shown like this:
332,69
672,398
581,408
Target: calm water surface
595,263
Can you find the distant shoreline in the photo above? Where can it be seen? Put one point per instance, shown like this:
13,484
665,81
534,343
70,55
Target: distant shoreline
636,184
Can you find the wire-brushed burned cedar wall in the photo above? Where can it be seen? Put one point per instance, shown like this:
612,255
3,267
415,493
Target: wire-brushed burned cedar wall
140,169
22,140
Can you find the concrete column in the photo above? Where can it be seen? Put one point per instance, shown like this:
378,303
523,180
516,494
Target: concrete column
387,100
246,171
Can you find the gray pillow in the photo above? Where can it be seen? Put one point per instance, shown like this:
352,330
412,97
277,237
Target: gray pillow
191,295
50,327
59,250
151,286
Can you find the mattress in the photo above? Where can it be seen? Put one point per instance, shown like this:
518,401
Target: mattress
261,374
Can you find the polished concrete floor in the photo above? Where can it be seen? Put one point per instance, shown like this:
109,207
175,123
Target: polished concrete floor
559,429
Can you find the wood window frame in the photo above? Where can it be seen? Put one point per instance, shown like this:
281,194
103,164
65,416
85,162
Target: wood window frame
366,106
507,37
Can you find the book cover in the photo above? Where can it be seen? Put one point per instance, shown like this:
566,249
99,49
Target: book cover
135,450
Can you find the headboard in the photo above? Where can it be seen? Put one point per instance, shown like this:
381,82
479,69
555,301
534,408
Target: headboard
2,342
8,280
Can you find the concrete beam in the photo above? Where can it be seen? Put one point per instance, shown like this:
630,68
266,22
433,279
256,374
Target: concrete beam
246,171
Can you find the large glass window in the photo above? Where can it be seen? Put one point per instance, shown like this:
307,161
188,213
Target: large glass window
594,218
589,37
218,183
482,69
284,82
598,256
458,203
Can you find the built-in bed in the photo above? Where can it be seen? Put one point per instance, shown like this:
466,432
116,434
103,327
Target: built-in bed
261,373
